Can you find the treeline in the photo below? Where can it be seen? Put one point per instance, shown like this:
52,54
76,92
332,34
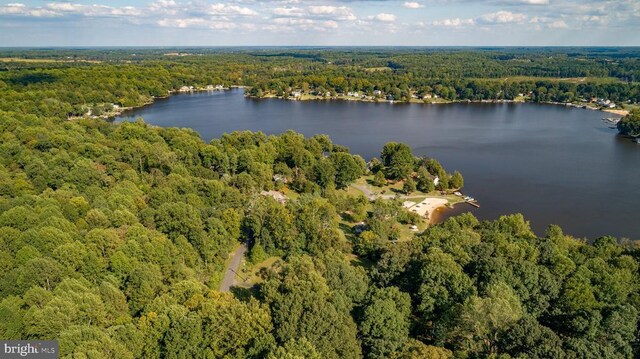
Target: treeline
66,83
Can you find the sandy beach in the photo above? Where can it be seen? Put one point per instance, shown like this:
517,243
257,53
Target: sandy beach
617,112
427,207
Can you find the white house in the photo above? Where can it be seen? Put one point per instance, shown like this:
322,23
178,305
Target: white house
377,92
296,94
436,181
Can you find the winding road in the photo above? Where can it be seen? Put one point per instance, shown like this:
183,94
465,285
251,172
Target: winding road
232,271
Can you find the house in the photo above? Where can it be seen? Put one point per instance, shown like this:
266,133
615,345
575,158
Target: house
278,196
219,87
352,94
436,181
377,93
186,89
389,98
280,178
296,94
427,96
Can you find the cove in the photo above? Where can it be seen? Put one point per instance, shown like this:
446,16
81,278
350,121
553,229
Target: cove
555,165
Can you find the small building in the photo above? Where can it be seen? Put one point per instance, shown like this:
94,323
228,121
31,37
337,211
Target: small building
427,96
278,196
389,97
436,180
186,89
296,94
219,87
280,178
377,93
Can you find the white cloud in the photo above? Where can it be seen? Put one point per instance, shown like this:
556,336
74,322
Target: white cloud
383,17
558,24
288,11
93,10
503,17
17,9
457,23
339,13
412,5
535,2
225,10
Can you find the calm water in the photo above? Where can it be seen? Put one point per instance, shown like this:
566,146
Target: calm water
553,164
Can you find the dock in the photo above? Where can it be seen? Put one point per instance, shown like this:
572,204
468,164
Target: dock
474,203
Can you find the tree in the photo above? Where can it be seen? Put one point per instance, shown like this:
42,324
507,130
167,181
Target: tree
408,186
456,181
528,337
414,349
425,181
379,180
348,169
481,319
397,159
630,124
385,322
303,306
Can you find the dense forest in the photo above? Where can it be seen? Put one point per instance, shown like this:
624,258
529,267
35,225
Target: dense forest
114,236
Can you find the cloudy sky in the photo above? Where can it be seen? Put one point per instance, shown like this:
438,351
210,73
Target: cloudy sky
319,22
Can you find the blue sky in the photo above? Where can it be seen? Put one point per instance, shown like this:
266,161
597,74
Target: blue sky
319,22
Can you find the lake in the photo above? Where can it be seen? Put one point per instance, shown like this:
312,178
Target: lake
551,163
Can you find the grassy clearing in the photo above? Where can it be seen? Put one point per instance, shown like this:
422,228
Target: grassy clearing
575,80
252,274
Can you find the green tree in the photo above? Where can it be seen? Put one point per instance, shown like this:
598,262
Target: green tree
482,319
409,186
630,124
456,181
379,180
385,322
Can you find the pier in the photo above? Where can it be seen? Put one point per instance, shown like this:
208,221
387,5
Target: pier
474,203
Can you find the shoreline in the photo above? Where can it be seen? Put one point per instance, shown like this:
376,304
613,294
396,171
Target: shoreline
122,110
618,111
